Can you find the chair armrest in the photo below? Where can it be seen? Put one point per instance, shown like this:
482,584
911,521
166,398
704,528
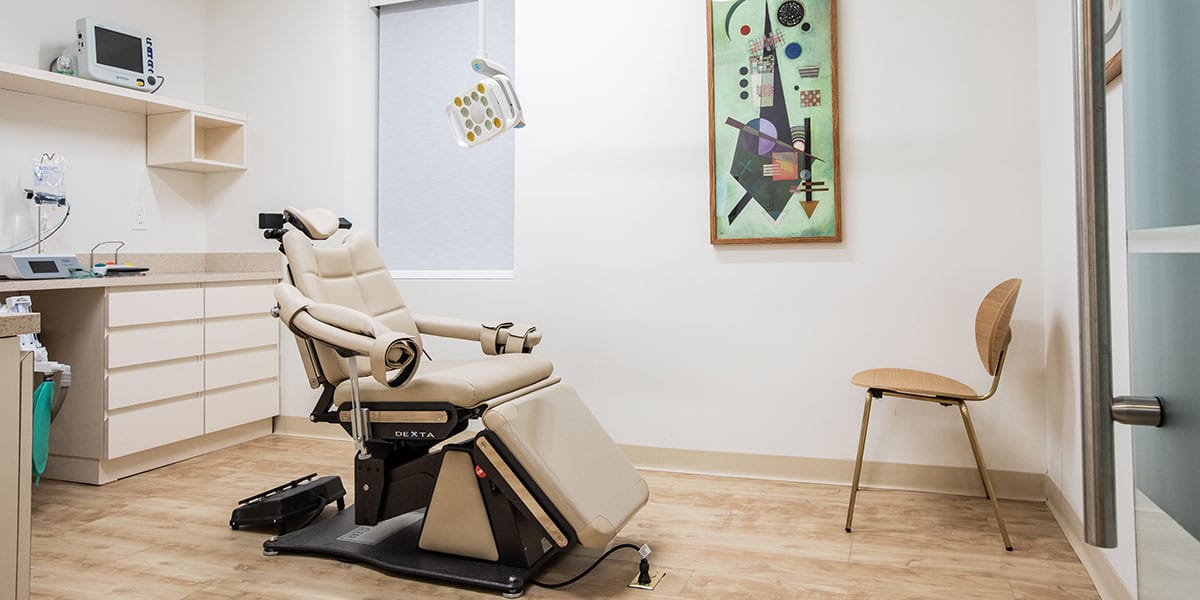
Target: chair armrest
498,338
394,355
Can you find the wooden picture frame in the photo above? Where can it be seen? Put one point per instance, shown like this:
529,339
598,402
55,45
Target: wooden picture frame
1112,40
771,181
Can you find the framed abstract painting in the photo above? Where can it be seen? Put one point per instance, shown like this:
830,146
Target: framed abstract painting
1112,40
773,121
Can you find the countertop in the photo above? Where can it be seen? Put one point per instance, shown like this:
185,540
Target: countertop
32,285
14,325
166,268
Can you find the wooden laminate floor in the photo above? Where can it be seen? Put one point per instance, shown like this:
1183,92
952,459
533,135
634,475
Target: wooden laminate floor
164,535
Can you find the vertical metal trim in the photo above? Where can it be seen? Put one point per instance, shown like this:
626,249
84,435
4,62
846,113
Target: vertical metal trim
1095,336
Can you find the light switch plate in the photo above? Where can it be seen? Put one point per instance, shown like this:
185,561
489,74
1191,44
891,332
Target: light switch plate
139,217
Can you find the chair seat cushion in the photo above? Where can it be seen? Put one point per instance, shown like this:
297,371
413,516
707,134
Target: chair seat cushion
912,382
461,383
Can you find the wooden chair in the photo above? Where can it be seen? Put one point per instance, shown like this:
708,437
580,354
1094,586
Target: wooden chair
992,336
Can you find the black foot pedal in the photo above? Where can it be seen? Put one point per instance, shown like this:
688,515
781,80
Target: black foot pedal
283,504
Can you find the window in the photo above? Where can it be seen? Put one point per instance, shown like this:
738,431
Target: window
444,211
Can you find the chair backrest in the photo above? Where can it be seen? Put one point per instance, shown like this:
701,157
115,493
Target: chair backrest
353,275
992,331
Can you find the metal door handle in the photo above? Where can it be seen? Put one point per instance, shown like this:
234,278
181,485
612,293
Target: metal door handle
1095,335
1138,410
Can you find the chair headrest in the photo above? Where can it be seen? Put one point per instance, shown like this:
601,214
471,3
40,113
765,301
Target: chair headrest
316,223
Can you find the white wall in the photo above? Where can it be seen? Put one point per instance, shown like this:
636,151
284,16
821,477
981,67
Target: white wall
291,92
671,341
676,343
107,172
310,97
1061,310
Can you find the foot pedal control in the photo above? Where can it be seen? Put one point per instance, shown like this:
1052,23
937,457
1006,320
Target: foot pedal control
283,504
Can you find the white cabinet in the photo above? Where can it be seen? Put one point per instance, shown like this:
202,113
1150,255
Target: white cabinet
142,307
183,370
241,355
152,343
152,425
143,384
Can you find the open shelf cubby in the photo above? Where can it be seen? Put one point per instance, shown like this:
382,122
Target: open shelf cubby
193,141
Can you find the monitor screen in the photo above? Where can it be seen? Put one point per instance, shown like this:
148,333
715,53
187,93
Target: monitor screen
43,266
118,50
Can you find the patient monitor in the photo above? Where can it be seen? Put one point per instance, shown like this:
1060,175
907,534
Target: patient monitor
115,55
485,506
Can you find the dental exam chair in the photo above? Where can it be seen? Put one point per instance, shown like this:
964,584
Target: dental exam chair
482,508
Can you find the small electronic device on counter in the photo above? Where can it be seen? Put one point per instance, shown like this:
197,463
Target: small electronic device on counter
113,269
38,266
115,266
115,55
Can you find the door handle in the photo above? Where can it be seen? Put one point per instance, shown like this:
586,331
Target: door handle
1138,410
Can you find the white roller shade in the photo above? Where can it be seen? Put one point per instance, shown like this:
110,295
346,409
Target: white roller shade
442,208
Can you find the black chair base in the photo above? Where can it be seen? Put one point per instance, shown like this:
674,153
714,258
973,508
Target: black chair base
391,546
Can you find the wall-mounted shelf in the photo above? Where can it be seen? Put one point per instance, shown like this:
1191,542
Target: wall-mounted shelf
17,78
179,134
193,141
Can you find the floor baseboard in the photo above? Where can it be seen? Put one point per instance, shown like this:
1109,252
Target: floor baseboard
1103,575
1013,485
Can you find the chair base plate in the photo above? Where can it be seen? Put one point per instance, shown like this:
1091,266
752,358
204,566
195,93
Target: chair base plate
391,546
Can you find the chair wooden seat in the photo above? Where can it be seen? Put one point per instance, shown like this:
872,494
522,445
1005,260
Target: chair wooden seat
909,381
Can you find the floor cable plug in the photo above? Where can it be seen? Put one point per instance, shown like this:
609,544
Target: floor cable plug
647,579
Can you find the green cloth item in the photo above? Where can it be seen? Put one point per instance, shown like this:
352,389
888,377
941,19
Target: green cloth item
43,397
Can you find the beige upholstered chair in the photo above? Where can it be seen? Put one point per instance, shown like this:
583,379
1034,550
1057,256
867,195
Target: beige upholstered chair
486,506
992,336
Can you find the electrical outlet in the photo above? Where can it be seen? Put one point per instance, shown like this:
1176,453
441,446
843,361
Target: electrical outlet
139,218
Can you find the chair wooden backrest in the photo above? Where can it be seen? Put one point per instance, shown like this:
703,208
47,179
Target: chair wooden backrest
992,331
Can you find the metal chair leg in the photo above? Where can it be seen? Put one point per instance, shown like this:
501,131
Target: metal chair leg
862,443
983,473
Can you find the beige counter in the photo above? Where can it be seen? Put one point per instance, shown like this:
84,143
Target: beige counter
30,285
14,325
168,268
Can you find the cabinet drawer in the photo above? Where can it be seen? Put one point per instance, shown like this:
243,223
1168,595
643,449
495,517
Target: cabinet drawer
236,333
154,306
153,425
228,407
154,343
233,300
147,383
233,368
